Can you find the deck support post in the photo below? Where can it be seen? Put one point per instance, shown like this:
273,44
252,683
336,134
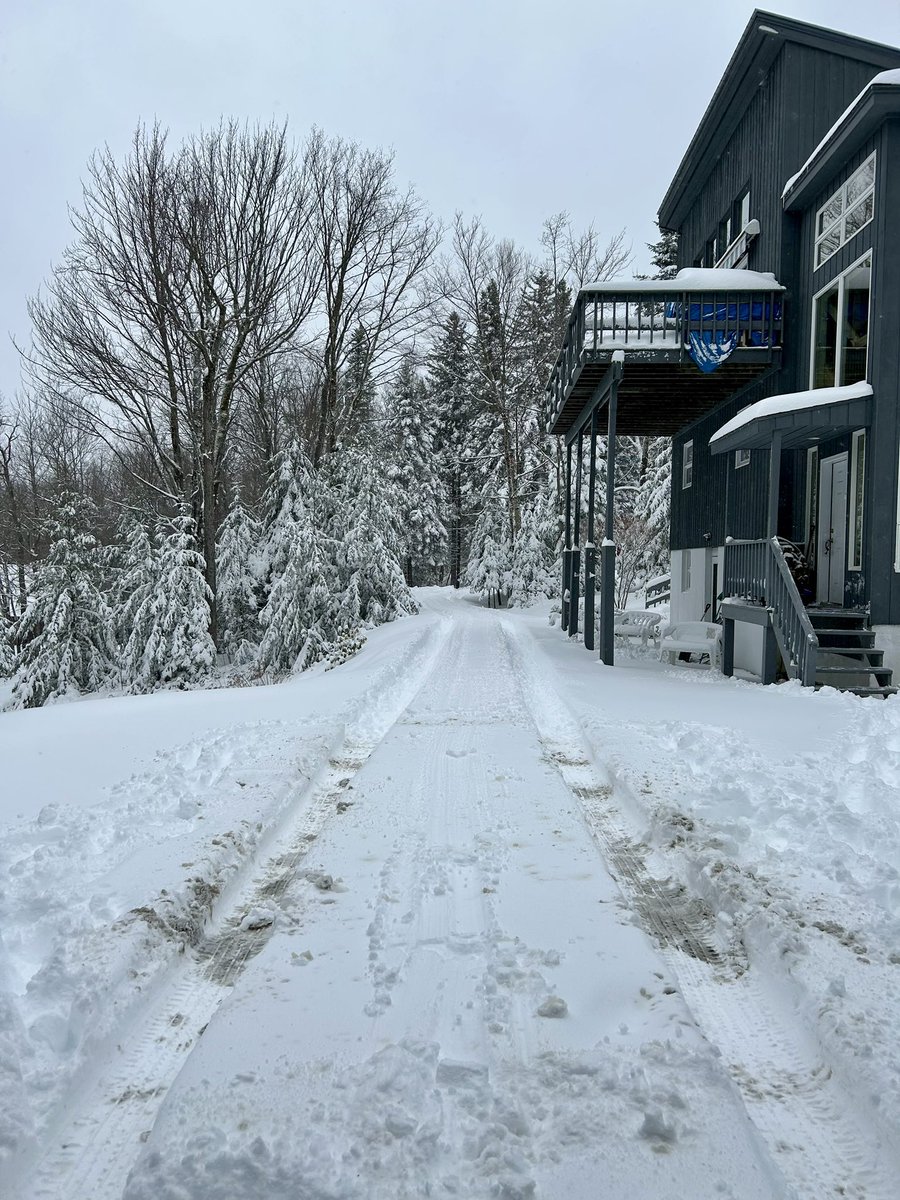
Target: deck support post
567,542
575,566
774,485
589,552
770,653
727,645
608,548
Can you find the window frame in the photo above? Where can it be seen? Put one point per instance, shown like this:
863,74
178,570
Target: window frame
687,465
839,223
685,571
839,280
812,491
739,460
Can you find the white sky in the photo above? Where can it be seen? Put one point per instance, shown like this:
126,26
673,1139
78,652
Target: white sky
512,109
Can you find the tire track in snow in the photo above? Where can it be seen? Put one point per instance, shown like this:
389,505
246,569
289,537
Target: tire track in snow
90,1152
821,1146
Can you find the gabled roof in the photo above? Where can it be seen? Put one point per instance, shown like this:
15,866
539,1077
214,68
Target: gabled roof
762,40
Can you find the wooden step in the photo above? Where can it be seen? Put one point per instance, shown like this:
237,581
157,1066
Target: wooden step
884,692
882,674
864,655
837,618
860,636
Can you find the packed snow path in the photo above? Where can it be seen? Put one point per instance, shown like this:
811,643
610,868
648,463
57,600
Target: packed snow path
454,969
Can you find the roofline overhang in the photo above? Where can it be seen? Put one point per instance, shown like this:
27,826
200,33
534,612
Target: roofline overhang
874,105
798,428
761,42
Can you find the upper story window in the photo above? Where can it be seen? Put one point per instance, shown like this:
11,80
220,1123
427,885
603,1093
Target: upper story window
850,208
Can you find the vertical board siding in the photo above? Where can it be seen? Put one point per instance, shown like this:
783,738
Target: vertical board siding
804,92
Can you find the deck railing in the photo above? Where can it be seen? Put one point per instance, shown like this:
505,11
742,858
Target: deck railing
651,319
658,591
757,571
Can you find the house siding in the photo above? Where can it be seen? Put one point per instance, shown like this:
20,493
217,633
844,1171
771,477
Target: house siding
802,95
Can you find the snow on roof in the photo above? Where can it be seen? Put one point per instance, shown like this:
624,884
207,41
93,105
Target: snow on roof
790,402
891,78
695,279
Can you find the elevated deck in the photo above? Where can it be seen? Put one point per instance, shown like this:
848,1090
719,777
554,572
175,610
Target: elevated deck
662,329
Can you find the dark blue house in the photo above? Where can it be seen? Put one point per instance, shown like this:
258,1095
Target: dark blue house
772,360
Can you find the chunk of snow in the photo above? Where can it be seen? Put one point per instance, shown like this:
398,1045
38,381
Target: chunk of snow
258,918
553,1006
695,279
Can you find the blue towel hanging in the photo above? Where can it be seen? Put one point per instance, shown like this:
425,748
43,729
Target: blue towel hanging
709,354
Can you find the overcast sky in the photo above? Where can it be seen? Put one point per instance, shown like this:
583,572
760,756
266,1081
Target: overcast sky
511,109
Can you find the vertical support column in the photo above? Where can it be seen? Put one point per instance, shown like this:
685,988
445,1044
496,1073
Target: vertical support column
567,543
727,645
575,563
770,653
589,551
774,485
608,548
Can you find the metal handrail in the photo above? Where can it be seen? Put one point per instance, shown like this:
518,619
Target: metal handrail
757,571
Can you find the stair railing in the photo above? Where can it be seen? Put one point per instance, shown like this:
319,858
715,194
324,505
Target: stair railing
757,571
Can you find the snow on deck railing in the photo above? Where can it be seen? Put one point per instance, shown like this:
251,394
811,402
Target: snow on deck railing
715,307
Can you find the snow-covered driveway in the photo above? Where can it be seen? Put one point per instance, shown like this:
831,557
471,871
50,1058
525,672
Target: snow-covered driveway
445,960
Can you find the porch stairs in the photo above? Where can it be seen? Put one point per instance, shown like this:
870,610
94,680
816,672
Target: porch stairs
847,658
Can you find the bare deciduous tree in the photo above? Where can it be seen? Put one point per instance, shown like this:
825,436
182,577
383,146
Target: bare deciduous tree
375,244
188,270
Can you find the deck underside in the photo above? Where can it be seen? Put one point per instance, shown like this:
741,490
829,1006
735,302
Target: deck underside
658,394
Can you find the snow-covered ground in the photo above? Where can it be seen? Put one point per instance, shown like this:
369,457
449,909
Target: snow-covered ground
469,915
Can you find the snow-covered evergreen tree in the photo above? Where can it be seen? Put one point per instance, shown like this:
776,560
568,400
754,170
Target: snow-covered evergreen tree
450,398
7,656
367,540
415,476
64,640
298,618
170,642
134,570
533,573
239,547
487,571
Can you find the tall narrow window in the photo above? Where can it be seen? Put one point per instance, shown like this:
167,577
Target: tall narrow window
812,501
857,493
744,202
685,570
841,328
687,464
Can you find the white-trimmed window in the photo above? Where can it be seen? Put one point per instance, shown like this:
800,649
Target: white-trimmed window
840,330
687,464
857,495
741,458
685,570
846,212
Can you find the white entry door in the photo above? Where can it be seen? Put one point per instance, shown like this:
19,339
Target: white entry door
831,549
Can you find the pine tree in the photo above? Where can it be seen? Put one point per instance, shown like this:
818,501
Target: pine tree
533,573
299,614
415,476
369,546
357,392
7,656
135,570
450,398
664,254
64,640
170,642
239,548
